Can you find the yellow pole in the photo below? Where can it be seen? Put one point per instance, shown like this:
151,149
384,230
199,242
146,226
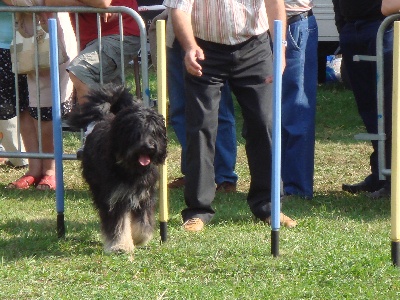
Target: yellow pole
162,109
395,192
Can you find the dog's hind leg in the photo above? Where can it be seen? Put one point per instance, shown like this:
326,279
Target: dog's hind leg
121,239
142,227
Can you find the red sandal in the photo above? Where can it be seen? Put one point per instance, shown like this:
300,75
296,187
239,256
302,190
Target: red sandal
47,182
23,183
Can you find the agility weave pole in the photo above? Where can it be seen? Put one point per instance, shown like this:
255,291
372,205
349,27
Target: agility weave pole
162,109
57,128
276,139
395,192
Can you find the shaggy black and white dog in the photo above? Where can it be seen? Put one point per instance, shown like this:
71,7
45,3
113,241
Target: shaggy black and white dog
119,163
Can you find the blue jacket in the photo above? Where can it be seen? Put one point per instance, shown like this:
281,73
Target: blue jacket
6,26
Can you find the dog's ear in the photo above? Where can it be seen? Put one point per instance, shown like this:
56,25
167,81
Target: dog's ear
157,122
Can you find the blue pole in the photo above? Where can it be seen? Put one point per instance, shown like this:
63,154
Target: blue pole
57,131
276,139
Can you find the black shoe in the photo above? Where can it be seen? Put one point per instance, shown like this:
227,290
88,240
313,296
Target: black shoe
366,185
381,193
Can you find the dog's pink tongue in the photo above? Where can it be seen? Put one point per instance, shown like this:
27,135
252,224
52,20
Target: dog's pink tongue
144,160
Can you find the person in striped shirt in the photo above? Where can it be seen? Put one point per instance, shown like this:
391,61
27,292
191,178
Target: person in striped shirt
227,41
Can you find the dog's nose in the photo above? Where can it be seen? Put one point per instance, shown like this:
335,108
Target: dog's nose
148,144
148,147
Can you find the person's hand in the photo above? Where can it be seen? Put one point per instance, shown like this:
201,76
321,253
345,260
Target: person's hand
108,17
270,78
191,57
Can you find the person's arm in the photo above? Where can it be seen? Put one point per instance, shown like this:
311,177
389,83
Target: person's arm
339,19
390,7
276,11
25,2
92,3
182,24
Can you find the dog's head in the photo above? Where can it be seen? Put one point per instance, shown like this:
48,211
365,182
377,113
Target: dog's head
138,138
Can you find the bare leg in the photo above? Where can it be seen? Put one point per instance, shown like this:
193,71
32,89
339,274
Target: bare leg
30,137
47,165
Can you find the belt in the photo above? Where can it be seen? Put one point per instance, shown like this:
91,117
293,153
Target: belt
298,17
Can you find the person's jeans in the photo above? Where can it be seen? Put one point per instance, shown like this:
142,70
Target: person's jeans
225,148
299,93
359,37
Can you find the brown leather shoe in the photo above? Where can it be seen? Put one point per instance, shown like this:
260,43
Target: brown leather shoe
177,183
226,187
193,224
284,220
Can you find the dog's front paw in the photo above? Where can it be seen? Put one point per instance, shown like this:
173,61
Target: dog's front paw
115,247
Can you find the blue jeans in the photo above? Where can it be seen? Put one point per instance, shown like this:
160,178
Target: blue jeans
225,147
299,94
359,37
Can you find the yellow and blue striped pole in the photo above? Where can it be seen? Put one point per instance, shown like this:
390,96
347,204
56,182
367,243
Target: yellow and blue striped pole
162,109
395,192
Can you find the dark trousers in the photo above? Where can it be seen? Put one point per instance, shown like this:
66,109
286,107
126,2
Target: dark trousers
244,67
359,37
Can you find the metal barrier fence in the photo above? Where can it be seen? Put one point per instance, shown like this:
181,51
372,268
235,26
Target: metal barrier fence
58,154
144,62
380,136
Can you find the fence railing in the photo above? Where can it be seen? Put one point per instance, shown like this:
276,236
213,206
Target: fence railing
143,85
380,136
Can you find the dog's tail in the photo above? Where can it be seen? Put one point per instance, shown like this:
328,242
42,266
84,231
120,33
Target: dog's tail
103,102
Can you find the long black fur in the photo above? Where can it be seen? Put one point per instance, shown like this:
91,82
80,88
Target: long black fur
126,137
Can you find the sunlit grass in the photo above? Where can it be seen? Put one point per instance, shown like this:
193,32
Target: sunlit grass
340,249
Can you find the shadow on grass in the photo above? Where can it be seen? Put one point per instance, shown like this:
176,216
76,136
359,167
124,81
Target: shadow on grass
230,207
38,238
334,205
330,205
31,231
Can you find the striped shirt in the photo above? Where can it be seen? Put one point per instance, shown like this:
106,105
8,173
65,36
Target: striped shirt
295,7
227,22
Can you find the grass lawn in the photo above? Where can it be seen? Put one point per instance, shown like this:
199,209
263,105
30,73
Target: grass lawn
339,250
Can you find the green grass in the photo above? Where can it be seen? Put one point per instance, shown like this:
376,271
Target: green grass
340,249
